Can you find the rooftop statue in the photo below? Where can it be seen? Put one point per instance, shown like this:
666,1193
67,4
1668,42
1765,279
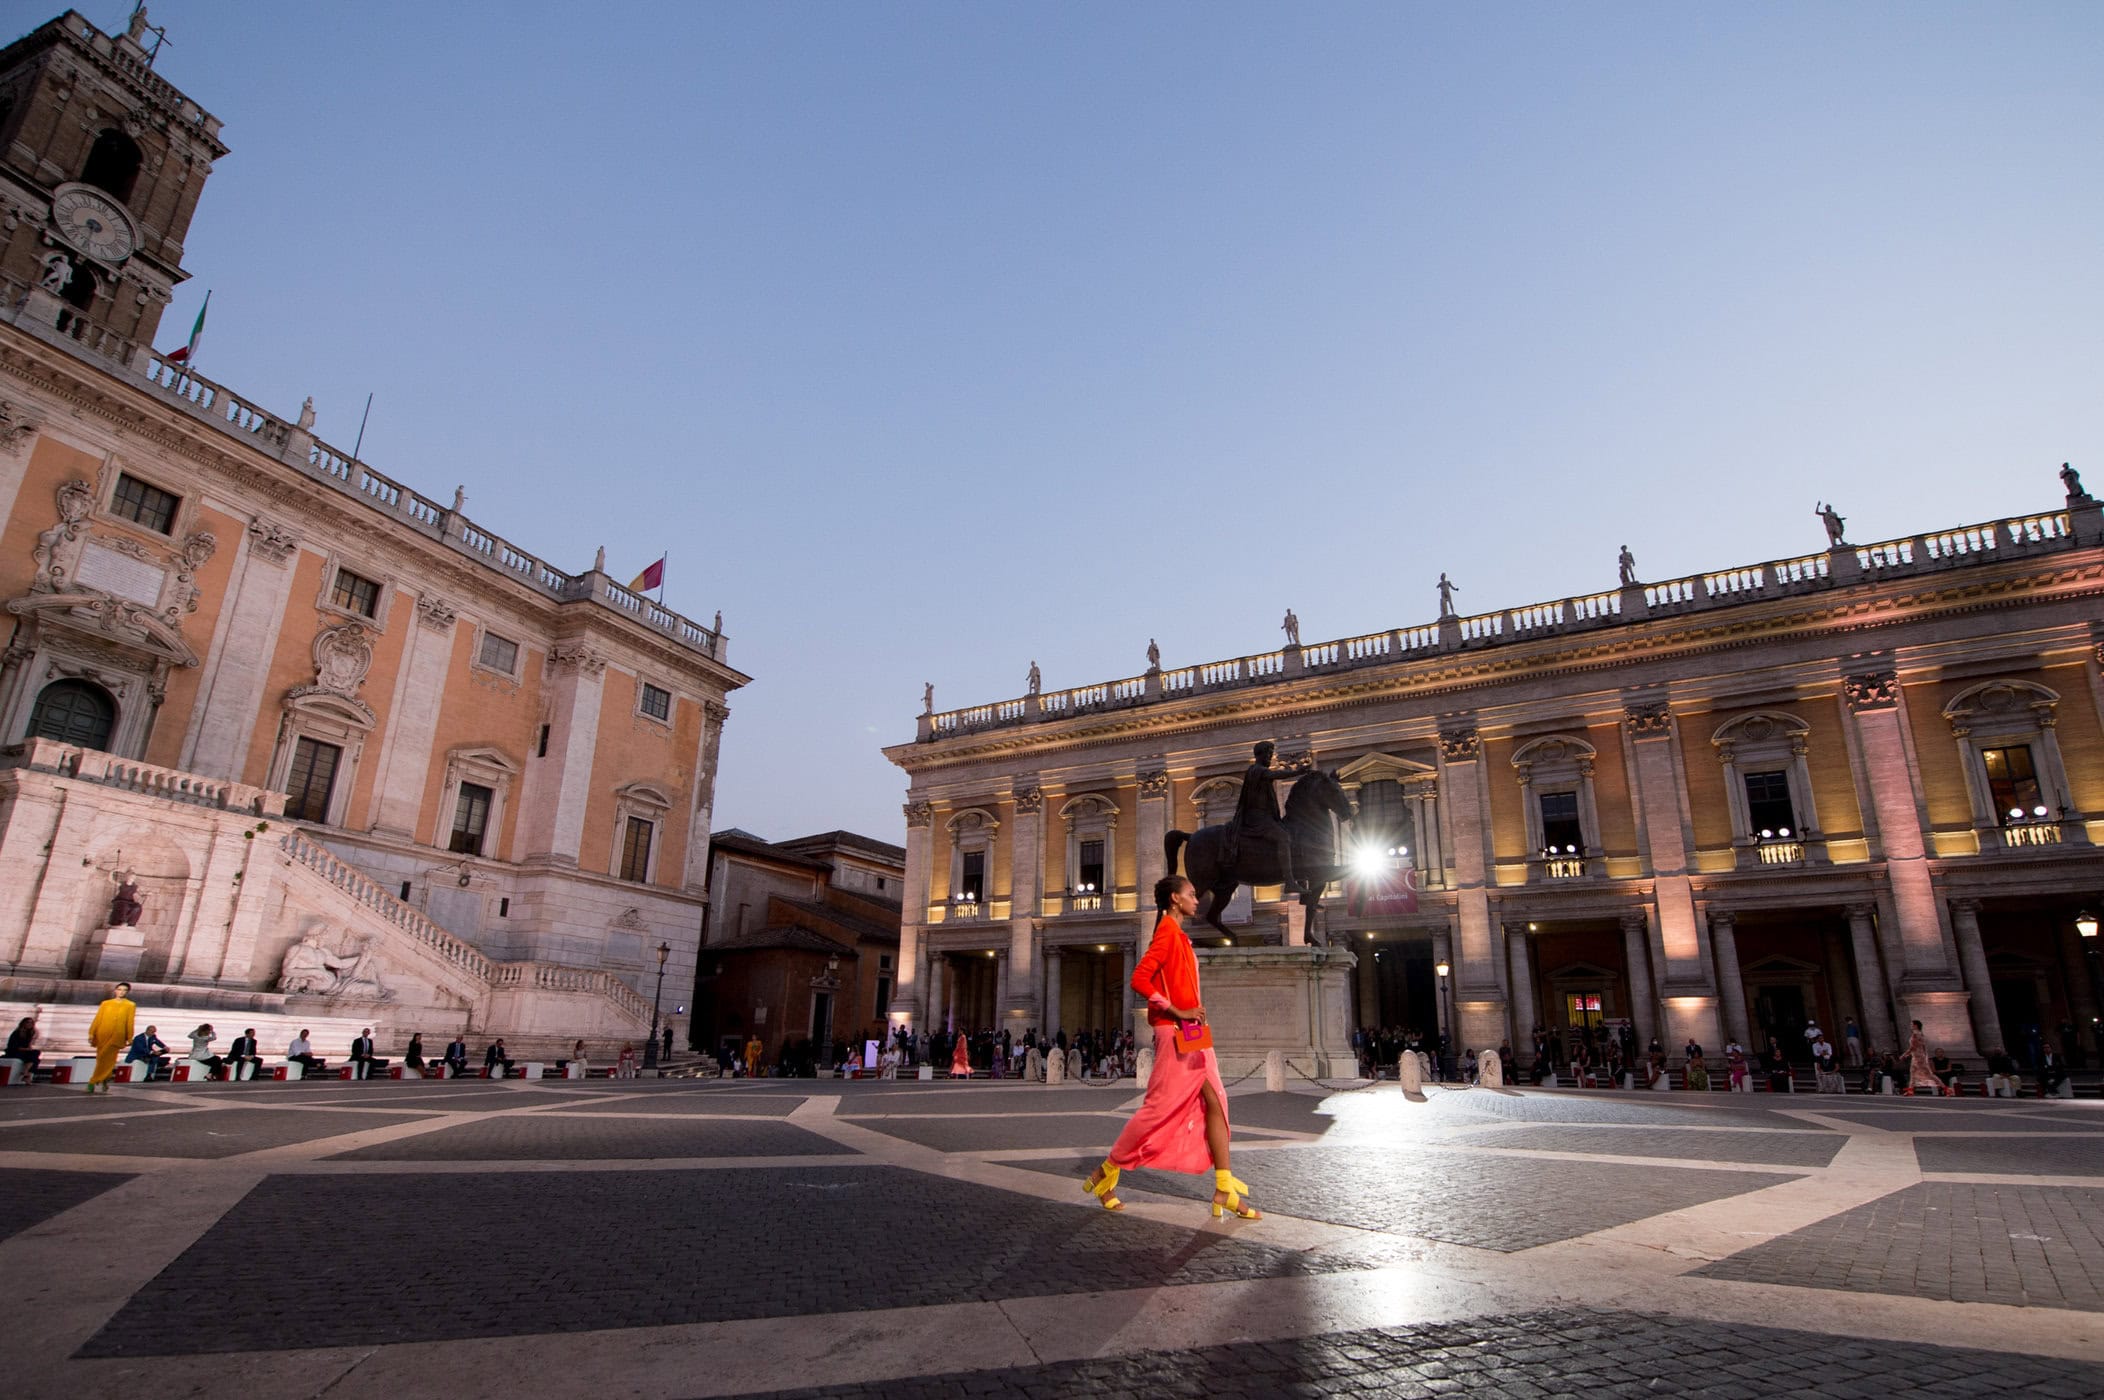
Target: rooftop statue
1292,628
1834,523
1628,564
1447,589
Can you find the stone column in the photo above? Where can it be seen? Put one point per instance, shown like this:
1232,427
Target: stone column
1052,1018
938,1008
231,693
412,723
1480,1002
1929,988
1636,953
1128,959
1870,977
1972,956
1525,998
1026,846
1687,994
1153,830
1001,983
1369,984
909,997
1724,941
558,789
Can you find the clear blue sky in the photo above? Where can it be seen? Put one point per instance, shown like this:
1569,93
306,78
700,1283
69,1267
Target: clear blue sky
932,339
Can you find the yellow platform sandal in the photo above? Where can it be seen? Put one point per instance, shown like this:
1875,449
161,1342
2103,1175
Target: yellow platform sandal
1227,1197
1103,1183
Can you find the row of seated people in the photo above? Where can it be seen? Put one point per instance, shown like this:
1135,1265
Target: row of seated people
243,1058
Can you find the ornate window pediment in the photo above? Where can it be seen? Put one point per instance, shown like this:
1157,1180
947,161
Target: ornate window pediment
1555,773
2014,778
1768,789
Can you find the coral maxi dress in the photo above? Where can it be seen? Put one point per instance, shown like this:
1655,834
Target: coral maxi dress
1168,1133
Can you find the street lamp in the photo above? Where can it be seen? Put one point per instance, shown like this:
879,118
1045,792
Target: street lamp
1440,970
2086,925
650,1046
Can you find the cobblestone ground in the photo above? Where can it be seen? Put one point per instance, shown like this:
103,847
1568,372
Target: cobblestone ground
665,1240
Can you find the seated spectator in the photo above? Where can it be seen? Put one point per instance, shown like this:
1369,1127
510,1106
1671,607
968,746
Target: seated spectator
363,1060
243,1052
1698,1072
1468,1066
577,1057
495,1061
2051,1073
413,1057
2002,1082
457,1056
1945,1071
22,1045
301,1053
201,1051
1827,1068
625,1063
1883,1076
1776,1066
149,1049
1655,1076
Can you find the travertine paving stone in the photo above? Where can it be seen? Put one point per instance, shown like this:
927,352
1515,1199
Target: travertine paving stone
2040,1246
578,1137
1530,1357
2062,1156
225,1132
1502,1203
1770,1148
1678,1110
30,1197
517,1253
727,1105
951,1134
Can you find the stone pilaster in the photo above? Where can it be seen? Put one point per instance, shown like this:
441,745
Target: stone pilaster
1052,1022
1929,989
1687,994
1731,985
1479,999
1972,956
1870,979
412,722
230,694
558,788
908,997
1026,848
705,759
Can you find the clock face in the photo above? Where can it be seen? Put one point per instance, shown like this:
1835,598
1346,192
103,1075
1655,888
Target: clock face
93,223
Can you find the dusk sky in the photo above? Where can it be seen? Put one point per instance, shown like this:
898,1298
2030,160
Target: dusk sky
931,339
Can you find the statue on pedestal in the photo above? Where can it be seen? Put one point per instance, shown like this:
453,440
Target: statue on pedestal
2072,480
1154,656
1628,565
125,908
1256,847
1035,679
1292,629
1835,523
1447,588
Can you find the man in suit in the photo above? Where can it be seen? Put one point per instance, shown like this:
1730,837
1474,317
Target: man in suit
243,1053
457,1057
362,1055
495,1060
149,1049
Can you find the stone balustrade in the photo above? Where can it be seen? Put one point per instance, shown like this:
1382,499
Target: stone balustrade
1965,546
360,887
223,409
555,977
171,784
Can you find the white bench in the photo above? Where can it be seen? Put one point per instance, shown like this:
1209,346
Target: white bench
528,1069
189,1072
77,1070
13,1071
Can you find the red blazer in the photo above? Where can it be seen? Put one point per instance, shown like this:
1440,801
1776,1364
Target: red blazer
1168,975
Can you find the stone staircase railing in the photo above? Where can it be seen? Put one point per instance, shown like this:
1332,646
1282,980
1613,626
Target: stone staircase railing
556,977
362,889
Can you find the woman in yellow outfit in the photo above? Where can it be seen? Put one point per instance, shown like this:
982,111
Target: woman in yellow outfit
109,1033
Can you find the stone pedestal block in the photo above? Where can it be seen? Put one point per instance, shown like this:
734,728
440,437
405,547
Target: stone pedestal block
114,953
1293,1000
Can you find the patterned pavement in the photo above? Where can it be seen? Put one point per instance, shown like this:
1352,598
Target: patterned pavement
878,1239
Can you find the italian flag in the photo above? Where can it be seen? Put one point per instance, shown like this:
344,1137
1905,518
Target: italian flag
188,353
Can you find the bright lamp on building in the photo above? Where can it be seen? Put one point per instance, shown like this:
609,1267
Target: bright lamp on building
2086,924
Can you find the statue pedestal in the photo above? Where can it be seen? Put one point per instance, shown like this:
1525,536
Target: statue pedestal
114,953
1296,1001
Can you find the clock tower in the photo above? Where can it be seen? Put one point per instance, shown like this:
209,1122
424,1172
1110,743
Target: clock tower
101,163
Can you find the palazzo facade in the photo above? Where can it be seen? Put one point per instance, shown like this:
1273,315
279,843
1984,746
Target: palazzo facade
1863,783
490,773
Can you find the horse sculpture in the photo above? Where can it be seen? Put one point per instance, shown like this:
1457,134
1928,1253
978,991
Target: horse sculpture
1216,864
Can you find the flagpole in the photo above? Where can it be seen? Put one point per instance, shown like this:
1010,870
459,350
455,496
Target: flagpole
361,427
664,567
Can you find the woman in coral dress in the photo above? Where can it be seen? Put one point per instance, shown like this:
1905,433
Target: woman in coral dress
1921,1074
1182,1126
961,1058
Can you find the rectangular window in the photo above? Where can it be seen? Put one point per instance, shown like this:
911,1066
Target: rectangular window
307,785
470,819
974,883
2013,781
1768,808
356,593
148,505
883,995
540,746
504,908
1561,834
1089,872
656,702
499,653
405,892
635,849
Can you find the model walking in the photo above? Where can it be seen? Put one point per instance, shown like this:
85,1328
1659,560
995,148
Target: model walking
1182,1127
1921,1074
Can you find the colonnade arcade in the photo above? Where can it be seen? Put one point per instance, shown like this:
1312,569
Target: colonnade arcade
1080,981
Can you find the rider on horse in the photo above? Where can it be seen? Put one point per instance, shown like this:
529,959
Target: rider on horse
1256,812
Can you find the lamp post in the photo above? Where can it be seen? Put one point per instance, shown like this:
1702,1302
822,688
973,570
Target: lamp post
2086,925
1440,970
650,1046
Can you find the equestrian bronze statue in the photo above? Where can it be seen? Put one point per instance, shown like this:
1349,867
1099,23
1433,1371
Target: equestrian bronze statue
1256,848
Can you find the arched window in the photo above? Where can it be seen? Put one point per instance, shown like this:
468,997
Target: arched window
74,712
113,165
80,292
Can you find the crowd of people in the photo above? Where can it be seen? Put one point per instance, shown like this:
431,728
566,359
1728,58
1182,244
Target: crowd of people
1089,1054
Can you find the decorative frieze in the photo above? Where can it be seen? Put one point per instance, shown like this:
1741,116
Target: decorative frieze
1871,690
